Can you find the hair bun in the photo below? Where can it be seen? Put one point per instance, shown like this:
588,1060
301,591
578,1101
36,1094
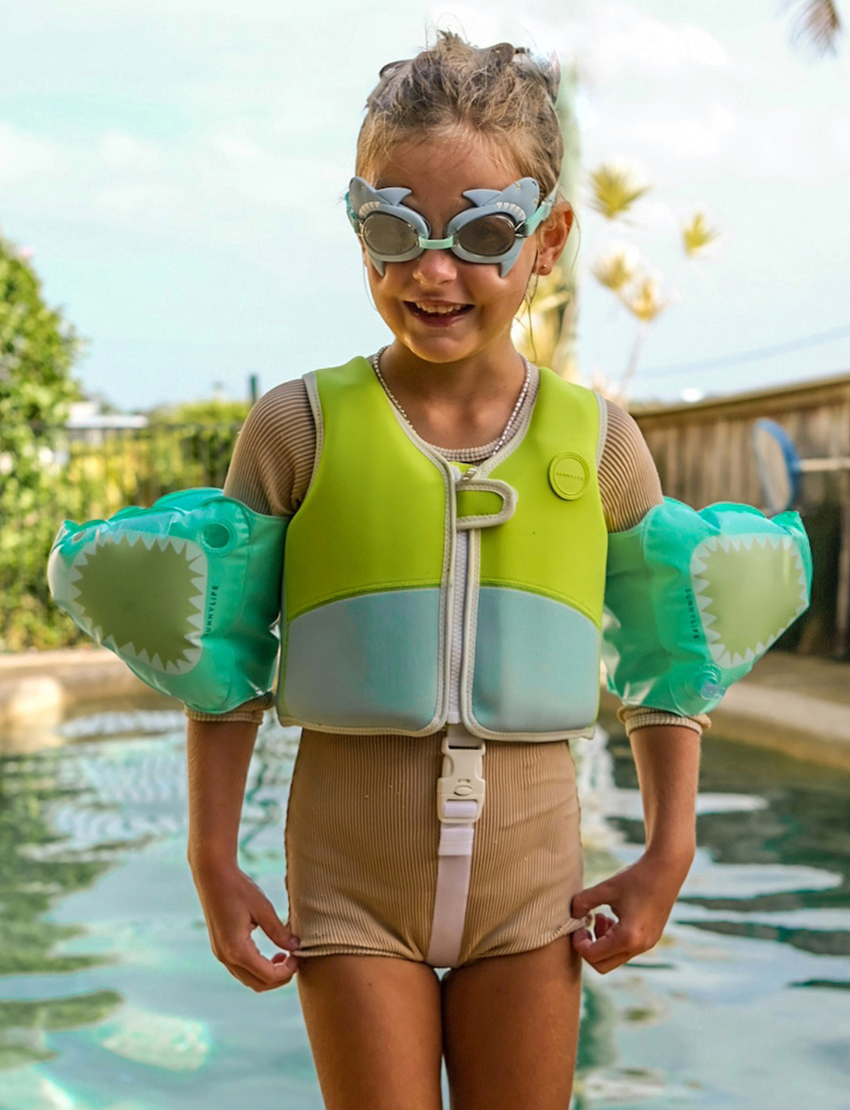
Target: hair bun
503,53
391,67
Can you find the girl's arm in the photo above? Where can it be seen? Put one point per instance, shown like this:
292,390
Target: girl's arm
218,757
270,471
642,896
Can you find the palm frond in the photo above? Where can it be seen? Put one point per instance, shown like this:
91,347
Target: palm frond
614,271
817,23
543,333
697,234
614,191
645,303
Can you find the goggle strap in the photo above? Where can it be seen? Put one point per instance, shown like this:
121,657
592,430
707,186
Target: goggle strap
542,213
353,218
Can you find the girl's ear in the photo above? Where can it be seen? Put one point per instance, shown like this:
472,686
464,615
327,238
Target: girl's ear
552,236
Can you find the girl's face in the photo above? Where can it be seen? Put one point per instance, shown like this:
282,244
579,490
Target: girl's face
439,307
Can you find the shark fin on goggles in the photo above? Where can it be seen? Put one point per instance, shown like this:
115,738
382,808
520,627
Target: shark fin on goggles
186,592
694,599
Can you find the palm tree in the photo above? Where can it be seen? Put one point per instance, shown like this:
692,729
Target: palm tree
547,332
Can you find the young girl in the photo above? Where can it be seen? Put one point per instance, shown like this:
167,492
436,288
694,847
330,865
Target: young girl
450,506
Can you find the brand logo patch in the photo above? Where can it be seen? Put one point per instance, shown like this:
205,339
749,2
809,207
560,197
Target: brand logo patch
568,475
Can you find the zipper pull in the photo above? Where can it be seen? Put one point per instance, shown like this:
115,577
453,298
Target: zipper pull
469,474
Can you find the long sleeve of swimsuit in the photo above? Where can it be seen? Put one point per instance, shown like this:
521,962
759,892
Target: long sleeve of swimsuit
273,464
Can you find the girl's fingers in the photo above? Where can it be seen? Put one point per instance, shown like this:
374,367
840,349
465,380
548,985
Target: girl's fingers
602,924
245,962
608,965
278,933
600,949
586,900
609,950
247,980
256,971
279,957
232,916
614,945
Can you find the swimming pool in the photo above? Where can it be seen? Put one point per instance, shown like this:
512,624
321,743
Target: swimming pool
110,998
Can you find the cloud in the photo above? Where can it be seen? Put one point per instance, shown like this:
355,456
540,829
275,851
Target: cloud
619,38
238,183
677,130
607,38
25,157
121,151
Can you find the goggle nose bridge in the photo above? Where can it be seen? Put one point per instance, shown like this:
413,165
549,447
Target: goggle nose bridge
436,244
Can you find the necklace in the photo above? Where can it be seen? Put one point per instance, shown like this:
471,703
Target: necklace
375,361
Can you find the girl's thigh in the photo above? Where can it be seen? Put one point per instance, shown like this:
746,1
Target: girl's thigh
510,1029
375,1031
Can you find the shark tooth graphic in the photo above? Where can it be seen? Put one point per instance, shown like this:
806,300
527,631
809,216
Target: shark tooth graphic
748,589
148,597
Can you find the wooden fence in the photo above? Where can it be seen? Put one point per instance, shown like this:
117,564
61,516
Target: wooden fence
704,454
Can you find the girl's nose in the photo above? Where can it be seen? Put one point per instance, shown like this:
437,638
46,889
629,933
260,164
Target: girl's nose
435,267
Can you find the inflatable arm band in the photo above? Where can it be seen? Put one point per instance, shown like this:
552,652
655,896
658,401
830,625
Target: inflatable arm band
186,592
694,599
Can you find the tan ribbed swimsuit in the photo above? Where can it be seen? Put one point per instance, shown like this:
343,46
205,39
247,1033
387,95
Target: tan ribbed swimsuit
362,828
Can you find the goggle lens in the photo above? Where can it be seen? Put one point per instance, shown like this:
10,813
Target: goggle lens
489,236
389,235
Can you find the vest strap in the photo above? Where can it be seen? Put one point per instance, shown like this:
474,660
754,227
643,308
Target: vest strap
483,502
460,799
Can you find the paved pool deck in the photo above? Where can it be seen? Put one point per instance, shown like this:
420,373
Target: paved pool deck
793,703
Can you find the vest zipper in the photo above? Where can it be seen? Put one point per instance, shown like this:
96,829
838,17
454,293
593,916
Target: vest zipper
460,562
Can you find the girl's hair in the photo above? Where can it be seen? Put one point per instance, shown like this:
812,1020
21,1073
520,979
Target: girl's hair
499,92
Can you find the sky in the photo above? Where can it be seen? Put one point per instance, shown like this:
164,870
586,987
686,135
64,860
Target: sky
176,169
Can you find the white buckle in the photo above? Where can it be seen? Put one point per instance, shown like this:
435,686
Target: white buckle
460,790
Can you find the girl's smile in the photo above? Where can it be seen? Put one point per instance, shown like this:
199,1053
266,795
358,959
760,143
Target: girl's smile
438,314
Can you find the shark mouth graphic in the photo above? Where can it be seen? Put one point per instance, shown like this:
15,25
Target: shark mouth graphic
749,589
143,596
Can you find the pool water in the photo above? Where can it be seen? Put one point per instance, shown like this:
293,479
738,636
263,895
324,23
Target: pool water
110,998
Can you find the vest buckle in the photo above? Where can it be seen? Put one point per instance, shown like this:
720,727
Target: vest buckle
460,789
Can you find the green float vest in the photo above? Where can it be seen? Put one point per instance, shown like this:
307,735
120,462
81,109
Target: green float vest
370,603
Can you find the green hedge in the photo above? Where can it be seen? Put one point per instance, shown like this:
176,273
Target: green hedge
84,481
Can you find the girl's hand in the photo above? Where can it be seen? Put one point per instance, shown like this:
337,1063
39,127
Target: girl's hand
642,897
234,906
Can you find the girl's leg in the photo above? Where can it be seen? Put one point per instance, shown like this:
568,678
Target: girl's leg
511,1029
375,1031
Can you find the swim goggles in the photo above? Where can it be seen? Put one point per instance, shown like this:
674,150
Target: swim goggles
493,230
